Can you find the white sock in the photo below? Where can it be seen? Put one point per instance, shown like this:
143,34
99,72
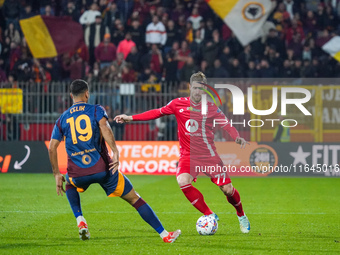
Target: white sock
80,218
164,234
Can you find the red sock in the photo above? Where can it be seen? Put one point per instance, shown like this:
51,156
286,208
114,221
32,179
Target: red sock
235,200
196,199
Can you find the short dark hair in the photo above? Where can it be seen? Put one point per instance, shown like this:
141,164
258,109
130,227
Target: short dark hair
78,87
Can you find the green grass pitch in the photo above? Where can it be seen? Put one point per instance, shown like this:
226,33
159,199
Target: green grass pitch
287,215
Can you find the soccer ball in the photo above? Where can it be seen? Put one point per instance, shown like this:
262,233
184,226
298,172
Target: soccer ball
206,225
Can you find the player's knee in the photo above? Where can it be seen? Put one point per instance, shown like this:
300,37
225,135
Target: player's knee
131,197
183,181
227,189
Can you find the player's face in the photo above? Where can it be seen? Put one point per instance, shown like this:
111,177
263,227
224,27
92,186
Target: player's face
196,92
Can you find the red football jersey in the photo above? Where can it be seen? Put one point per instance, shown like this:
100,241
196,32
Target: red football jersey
195,131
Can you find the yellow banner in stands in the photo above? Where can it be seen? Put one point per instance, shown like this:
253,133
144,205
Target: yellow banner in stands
11,101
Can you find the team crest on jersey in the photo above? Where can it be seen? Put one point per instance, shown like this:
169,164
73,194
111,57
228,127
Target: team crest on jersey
193,109
191,125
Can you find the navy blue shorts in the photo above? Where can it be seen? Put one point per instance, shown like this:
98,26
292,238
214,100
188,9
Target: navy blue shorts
115,185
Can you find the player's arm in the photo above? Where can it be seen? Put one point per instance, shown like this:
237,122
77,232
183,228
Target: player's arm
110,139
148,115
53,154
232,131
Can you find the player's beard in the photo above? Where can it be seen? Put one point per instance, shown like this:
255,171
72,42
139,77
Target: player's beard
197,98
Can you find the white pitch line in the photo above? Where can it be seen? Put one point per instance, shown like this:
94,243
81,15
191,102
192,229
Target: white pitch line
219,213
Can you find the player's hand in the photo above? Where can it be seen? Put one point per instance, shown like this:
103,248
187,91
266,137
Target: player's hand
59,180
114,166
240,140
123,118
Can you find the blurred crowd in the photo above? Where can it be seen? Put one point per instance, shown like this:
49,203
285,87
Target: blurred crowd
167,40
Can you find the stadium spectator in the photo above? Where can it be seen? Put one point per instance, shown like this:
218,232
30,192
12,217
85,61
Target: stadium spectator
120,62
205,68
296,46
274,40
266,71
307,53
252,72
125,8
128,75
296,70
155,32
111,14
118,32
11,12
75,66
196,47
208,30
219,71
245,56
54,68
3,77
195,19
47,11
137,34
12,33
170,67
22,69
286,70
105,52
94,34
125,45
182,54
211,48
26,12
40,75
189,32
147,76
225,57
188,69
236,70
134,59
310,23
320,17
172,35
71,11
156,60
307,70
290,7
89,17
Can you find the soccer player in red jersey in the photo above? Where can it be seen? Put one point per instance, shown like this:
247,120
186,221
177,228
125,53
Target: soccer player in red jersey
197,148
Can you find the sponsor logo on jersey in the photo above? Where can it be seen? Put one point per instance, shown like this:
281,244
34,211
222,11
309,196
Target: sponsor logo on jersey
193,109
191,125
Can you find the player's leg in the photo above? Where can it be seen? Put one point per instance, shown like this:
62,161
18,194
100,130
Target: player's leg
149,216
73,197
233,197
195,197
118,185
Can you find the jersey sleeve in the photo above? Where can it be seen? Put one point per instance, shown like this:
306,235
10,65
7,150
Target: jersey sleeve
154,114
168,109
57,132
100,113
232,131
